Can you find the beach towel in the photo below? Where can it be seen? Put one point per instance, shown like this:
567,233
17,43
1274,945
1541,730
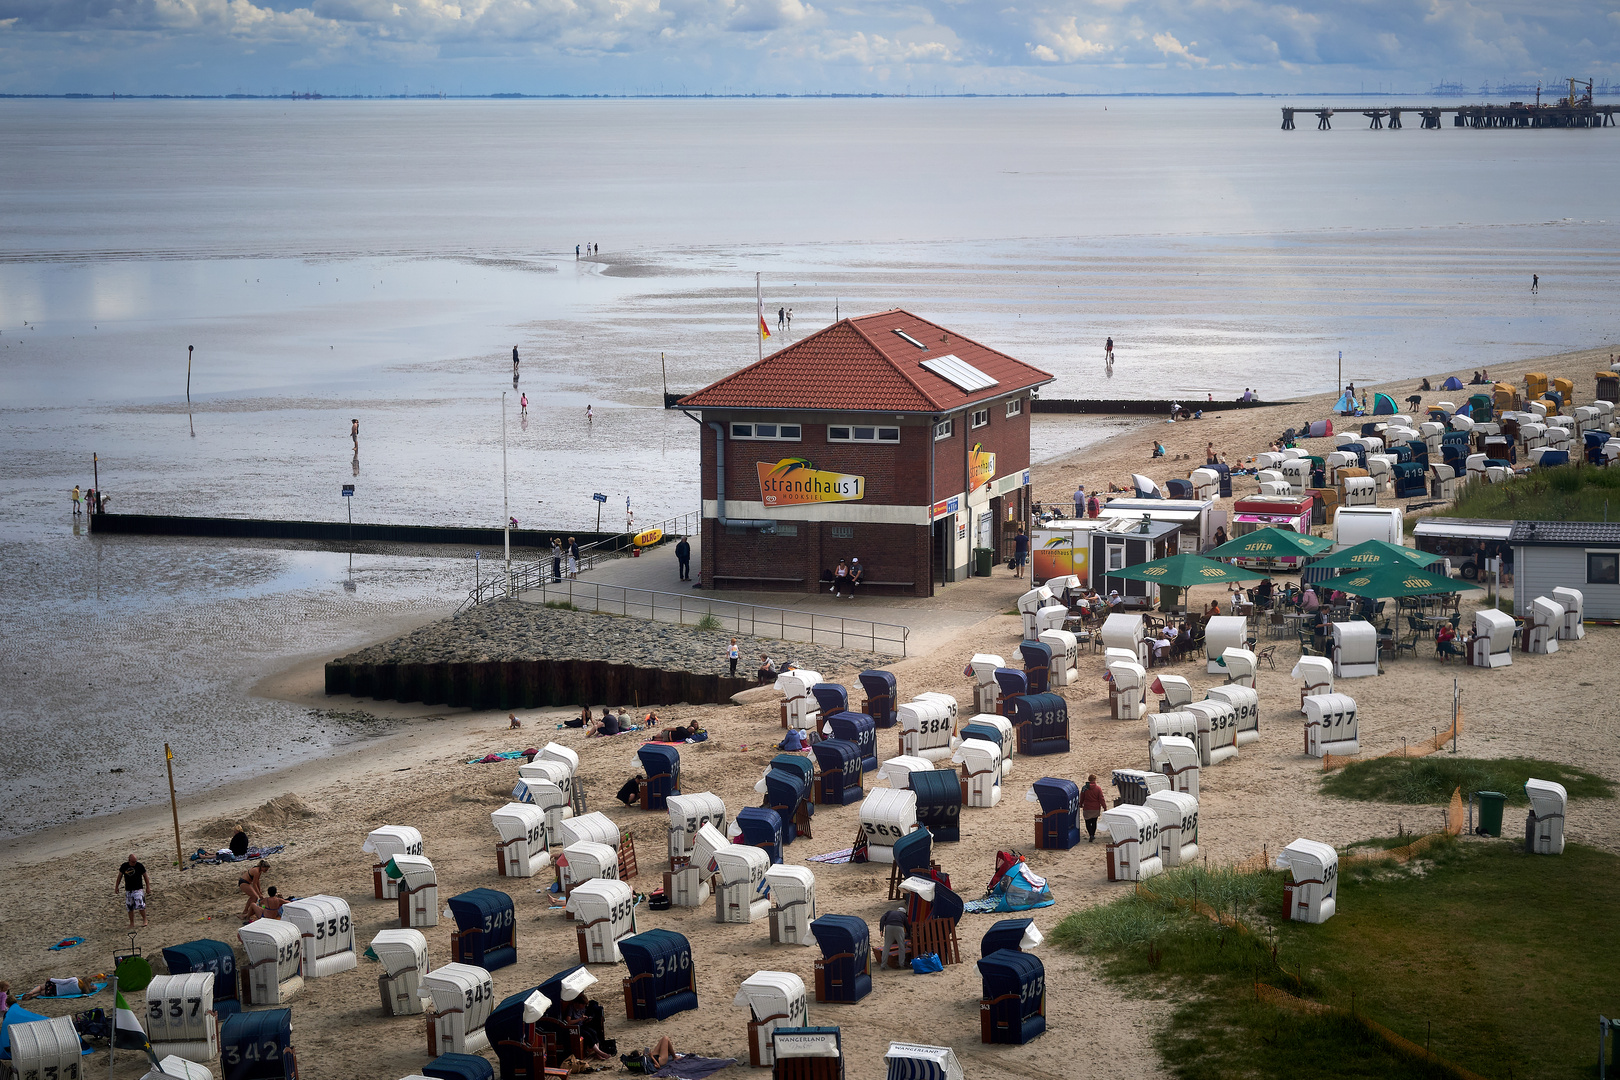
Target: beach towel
60,983
692,1067
67,943
203,857
504,755
834,857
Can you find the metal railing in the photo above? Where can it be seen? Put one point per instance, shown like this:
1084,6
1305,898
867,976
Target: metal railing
786,624
532,574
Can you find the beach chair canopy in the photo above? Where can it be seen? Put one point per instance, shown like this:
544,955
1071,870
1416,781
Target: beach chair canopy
257,1045
830,697
1015,935
882,696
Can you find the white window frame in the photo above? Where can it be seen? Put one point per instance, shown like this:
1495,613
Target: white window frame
753,427
945,428
877,433
1587,575
1015,407
979,419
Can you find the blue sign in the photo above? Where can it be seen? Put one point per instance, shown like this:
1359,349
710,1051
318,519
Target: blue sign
599,497
348,490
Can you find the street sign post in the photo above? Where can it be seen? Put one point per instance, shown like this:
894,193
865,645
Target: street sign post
600,499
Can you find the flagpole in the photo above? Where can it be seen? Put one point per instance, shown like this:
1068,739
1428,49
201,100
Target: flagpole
759,306
174,808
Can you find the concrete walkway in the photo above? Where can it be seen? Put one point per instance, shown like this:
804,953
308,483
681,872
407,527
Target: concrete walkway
649,586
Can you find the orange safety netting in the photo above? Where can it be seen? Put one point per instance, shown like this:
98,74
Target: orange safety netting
1417,749
1284,1000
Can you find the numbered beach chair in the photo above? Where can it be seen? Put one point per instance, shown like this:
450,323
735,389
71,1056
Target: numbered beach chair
1065,658
1574,604
1030,603
383,844
1010,685
214,957
174,1067
882,697
462,997
1133,843
788,793
598,828
521,1043
687,882
1315,676
761,827
981,771
1037,657
42,1049
688,814
1174,692
830,698
1178,826
524,847
273,971
327,932
258,1046
840,782
1041,724
1181,723
1330,725
939,803
548,784
1217,731
773,999
566,1033
1013,1008
1544,825
458,1067
993,729
793,904
857,728
740,893
662,764
927,730
1014,935
844,972
582,862
808,1053
1311,895
1057,823
798,709
986,692
486,929
886,816
1546,617
404,959
1177,758
1127,690
1355,650
915,1061
661,981
898,771
418,890
1245,702
180,1017
1126,631
1135,785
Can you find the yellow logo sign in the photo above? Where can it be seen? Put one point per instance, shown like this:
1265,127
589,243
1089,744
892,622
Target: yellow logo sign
797,480
1359,581
981,467
1155,571
1415,583
1058,541
1366,557
1213,572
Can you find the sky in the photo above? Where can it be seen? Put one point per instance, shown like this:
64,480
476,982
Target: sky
797,46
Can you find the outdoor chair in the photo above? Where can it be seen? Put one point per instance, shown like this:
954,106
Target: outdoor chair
1266,655
1307,645
1445,650
1410,643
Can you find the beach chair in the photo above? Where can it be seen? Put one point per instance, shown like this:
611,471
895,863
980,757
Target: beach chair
662,982
1013,1008
258,1046
485,934
844,972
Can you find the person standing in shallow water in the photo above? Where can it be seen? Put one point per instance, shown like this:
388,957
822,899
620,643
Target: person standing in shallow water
1108,350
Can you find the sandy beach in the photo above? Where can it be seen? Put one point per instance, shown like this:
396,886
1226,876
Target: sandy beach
1541,706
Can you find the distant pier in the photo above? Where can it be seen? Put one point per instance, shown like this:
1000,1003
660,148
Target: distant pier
1578,110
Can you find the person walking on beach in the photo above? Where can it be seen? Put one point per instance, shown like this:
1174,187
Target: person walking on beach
731,657
573,557
514,356
132,876
523,405
683,556
1093,801
1108,350
1020,552
354,431
781,317
588,417
1535,282
78,503
790,320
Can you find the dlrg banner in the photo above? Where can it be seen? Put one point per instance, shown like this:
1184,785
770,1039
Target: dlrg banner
795,480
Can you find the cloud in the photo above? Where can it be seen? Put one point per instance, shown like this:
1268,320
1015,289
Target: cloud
1066,44
1167,44
756,16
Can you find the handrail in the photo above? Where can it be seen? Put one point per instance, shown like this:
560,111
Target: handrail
786,624
529,575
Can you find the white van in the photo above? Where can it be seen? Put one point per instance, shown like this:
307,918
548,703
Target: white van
1354,524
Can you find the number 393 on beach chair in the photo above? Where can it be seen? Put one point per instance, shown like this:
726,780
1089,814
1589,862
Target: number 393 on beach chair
661,981
844,972
773,999
485,929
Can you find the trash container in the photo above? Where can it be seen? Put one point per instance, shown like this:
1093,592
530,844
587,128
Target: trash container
983,560
1490,812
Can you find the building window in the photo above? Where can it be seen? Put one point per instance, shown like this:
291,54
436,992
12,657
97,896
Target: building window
1015,407
944,429
854,433
981,418
843,532
1603,567
781,528
789,432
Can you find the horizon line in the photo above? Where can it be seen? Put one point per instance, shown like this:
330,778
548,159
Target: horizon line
517,96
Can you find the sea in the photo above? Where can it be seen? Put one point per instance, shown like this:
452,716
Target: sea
198,298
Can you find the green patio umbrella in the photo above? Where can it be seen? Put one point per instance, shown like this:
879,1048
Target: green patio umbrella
1184,571
1371,553
1271,543
1394,581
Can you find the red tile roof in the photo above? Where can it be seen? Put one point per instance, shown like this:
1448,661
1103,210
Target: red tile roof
861,364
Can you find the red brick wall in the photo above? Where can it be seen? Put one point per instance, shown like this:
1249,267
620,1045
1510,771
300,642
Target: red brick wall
890,553
1006,437
896,475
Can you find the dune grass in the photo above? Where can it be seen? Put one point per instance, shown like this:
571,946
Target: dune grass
1568,493
1431,780
1492,947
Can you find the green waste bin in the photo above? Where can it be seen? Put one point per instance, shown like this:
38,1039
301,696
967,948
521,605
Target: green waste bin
983,560
1490,812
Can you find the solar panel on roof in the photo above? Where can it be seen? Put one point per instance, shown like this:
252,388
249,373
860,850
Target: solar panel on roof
959,373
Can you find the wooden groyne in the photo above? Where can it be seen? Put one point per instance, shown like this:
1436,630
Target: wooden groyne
530,684
336,532
1142,407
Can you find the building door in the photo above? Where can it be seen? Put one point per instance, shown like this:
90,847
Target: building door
942,540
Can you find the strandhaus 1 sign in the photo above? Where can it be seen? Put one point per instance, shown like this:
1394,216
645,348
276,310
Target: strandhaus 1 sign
795,480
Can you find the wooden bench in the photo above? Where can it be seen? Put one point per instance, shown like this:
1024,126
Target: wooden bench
744,577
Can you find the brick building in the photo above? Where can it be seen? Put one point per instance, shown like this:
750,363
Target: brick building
886,438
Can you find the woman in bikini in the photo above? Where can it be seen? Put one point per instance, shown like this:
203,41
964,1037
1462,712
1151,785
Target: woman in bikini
270,907
248,885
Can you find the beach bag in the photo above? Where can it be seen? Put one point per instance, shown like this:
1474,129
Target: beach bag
928,964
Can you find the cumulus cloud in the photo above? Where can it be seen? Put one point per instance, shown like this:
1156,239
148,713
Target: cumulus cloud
1167,44
1066,44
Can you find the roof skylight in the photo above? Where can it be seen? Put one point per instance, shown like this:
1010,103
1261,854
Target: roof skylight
911,339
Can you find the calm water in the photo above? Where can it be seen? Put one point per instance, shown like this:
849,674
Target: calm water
331,260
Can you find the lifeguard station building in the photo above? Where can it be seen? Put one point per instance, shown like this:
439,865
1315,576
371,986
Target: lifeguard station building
886,438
